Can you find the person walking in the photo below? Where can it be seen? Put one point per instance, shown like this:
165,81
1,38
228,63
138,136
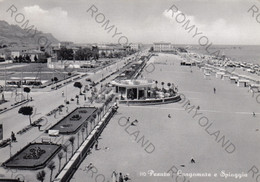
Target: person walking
121,179
13,138
96,145
192,160
114,176
128,119
134,122
214,90
126,177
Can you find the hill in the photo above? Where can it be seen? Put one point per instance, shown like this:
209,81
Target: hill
13,35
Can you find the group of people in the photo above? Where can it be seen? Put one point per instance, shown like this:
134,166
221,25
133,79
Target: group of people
120,178
133,123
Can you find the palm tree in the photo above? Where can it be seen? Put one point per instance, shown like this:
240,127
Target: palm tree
65,149
99,113
92,121
55,80
169,85
51,166
94,117
72,140
41,175
82,133
60,156
78,139
86,127
162,85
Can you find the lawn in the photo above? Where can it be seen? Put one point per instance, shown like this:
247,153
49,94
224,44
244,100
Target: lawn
71,123
33,156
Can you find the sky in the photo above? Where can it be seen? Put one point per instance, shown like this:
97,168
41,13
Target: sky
140,21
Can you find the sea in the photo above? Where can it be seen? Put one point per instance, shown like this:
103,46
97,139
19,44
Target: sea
242,53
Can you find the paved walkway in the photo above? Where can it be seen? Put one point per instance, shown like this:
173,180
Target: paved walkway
181,137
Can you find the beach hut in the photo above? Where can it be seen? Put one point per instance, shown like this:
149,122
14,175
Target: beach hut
254,87
207,75
220,75
233,79
225,77
243,83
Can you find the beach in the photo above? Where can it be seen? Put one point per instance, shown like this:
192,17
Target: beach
181,137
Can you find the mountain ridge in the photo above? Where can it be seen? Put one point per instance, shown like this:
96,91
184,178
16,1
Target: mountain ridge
11,35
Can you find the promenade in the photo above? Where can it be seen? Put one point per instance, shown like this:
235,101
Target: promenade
43,103
181,137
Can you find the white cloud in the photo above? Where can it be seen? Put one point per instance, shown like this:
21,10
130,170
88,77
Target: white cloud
218,31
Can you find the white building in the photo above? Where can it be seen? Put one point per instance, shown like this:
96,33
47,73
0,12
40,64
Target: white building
135,46
162,47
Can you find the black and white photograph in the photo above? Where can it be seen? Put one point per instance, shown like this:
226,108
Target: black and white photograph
129,90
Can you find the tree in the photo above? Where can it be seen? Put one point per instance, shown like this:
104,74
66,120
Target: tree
41,175
60,156
35,58
156,82
16,59
65,54
27,58
55,80
72,140
94,117
110,55
83,54
20,59
27,111
78,85
86,128
27,90
169,85
103,54
82,133
95,52
99,114
92,120
65,149
51,166
162,85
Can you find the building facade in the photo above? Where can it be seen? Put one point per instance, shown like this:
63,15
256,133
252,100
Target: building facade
163,47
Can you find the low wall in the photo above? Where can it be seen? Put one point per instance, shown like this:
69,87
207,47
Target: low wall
166,100
71,167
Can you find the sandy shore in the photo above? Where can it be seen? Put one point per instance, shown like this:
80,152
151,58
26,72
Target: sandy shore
181,137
